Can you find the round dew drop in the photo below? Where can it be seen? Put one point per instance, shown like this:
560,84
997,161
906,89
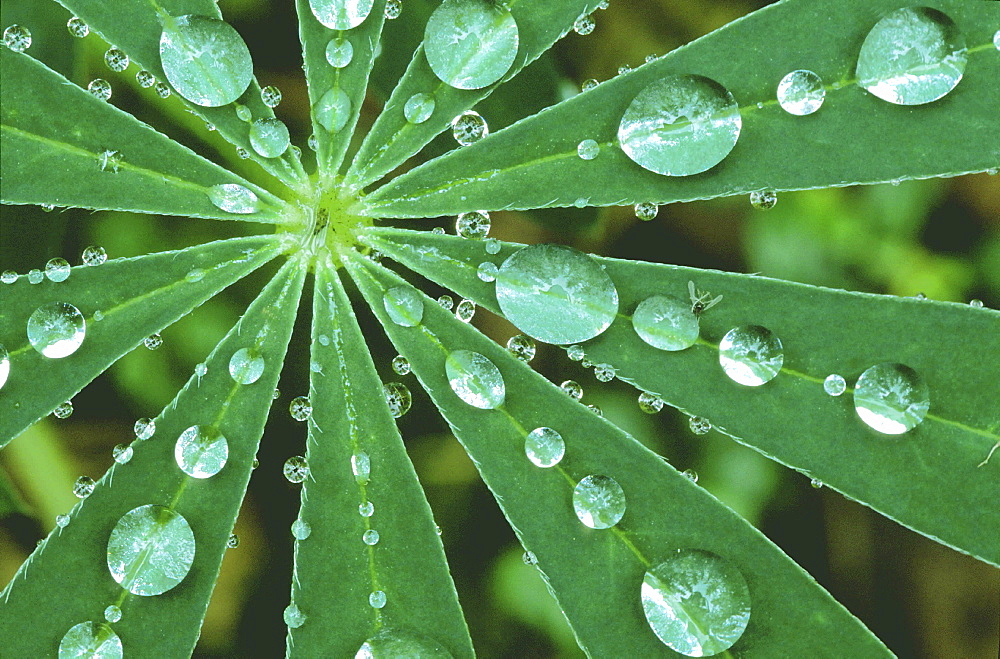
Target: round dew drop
341,14
162,89
646,211
763,200
116,60
465,310
112,613
269,137
891,398
589,84
801,92
57,270
475,379
446,302
62,521
205,60
834,384
333,110
8,277
153,341
474,225
77,27
572,389
35,276
83,487
339,52
584,25
300,408
122,453
63,410
293,616
604,372
599,501
17,38
418,108
650,403
492,246
522,347
370,537
470,44
529,558
246,366
233,542
666,323
377,599
751,355
404,306
234,198
544,447
393,8
56,330
699,425
398,398
144,428
296,469
575,353
90,639
150,550
366,509
301,530
469,127
201,451
361,467
588,149
400,365
487,271
145,79
94,255
100,88
270,96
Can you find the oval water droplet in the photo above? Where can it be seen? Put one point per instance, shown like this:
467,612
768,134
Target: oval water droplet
270,96
100,88
418,108
56,330
150,550
572,389
112,613
370,537
116,60
834,384
377,599
394,644
296,469
269,137
366,509
763,200
556,294
599,501
4,365
153,341
751,355
94,640
588,149
891,398
300,408
469,127
361,467
17,38
912,56
696,602
584,25
801,92
301,530
666,323
487,271
650,403
122,453
201,451
404,306
474,225
397,397
646,211
83,487
470,44
63,410
246,366
604,372
465,310
234,198
522,347
680,125
77,27
8,277
699,425
544,447
400,365
339,52
475,379
35,276
205,60
144,428
333,110
94,255
293,616
341,14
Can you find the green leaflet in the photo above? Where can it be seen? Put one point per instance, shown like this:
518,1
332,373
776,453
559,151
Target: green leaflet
133,26
96,156
335,572
594,572
926,479
68,577
393,139
853,138
132,297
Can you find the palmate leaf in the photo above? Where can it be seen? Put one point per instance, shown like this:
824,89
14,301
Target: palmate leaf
927,479
81,151
596,574
335,570
68,578
853,138
133,298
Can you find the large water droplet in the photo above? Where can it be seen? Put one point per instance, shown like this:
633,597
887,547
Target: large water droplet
339,52
522,347
404,306
366,509
205,60
544,447
470,44
680,125
599,501
4,365
666,323
300,408
296,469
246,366
650,403
696,602
83,487
475,379
341,14
334,109
465,310
419,108
469,127
392,644
150,550
269,137
93,640
801,92
8,277
57,270
474,225
556,294
912,56
122,453
56,330
77,27
361,467
234,198
17,38
116,60
891,398
751,355
201,452
572,389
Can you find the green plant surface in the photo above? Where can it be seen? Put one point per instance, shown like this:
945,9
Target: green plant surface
590,571
534,164
791,419
393,139
335,571
133,298
61,578
98,156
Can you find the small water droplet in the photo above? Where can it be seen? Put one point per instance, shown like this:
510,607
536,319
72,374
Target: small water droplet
122,453
234,198
269,137
751,355
8,277
112,613
666,323
816,483
419,108
834,384
584,25
17,38
57,269
341,14
94,640
465,310
588,149
144,428
475,379
370,537
150,550
35,276
446,302
470,44
83,487
94,255
680,125
469,127
63,410
246,366
233,542
296,469
646,211
145,78
401,365
333,110
699,425
201,451
763,200
62,521
293,615
200,370
690,474
589,84
243,112
116,60
696,602
300,408
366,509
404,306
891,398
599,501
56,330
205,60
650,403
572,389
361,467
604,372
339,52
474,225
77,27
492,246
301,530
575,353
801,92
153,341
377,599
100,88
529,558
912,56
162,89
522,347
487,271
976,303
622,70
544,447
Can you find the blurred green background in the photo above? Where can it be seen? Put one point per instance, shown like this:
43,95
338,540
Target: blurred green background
940,238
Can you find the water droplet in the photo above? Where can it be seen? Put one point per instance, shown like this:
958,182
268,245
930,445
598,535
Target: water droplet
339,52
446,302
596,410
109,161
93,640
404,306
475,379
696,602
556,294
293,615
584,25
465,310
94,255
801,92
83,487
393,8
270,96
487,271
666,323
834,384
401,365
370,537
243,112
63,410
751,355
650,403
296,469
246,366
112,613
56,330
205,60
699,425
301,530
646,211
377,599
57,270
122,453
680,125
912,56
144,428
233,542
145,78
100,88
572,389
77,27
361,467
269,137
366,509
529,558
394,644
474,225
201,451
418,108
589,84
334,109
492,246
62,521
522,347
8,277
116,60
35,276
575,353
599,501
18,38
622,70
341,14
690,474
816,483
976,303
234,198
604,372
153,341
469,127
763,200
150,550
4,365
162,89
544,447
891,398
300,408
588,149
470,44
